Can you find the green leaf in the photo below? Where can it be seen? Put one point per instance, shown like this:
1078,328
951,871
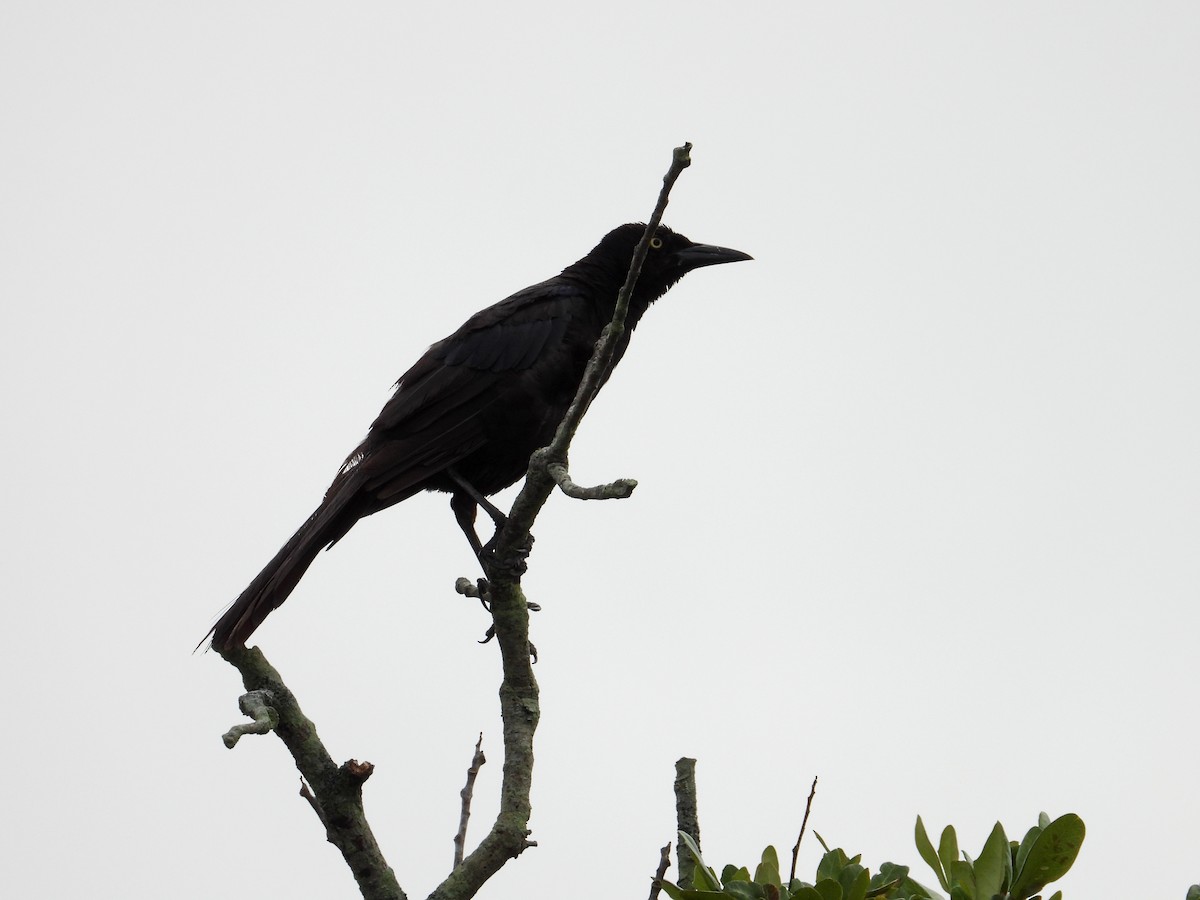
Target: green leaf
915,889
855,880
768,870
690,842
704,877
732,873
1043,820
925,848
1027,843
1193,892
821,841
831,864
1056,896
948,851
808,893
962,879
889,875
1009,852
744,890
1050,857
675,892
828,889
989,868
881,888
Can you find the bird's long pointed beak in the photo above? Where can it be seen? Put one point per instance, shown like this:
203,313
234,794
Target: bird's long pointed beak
699,255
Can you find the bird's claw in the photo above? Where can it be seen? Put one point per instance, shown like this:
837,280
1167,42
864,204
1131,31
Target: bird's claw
491,633
512,564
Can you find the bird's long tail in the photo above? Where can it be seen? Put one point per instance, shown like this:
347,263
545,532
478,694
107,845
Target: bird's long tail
278,579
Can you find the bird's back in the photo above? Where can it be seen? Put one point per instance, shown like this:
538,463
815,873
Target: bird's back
484,398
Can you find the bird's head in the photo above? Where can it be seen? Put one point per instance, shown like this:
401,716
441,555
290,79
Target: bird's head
670,256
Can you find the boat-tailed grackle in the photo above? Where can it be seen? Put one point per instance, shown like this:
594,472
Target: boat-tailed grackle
467,416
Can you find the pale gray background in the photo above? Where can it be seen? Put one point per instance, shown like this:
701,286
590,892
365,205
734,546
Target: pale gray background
919,488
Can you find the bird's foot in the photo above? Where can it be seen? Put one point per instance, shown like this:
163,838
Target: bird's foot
491,633
482,591
512,564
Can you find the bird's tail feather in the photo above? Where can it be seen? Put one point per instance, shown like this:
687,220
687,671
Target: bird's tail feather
278,579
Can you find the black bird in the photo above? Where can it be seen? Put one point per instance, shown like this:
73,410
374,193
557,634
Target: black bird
467,416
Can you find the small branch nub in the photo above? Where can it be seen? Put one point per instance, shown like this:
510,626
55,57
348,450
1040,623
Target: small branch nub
256,705
621,489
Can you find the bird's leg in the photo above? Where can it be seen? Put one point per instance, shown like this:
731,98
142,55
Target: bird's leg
464,505
469,489
464,513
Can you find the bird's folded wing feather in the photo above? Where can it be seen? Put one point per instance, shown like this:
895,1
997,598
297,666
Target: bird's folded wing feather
436,416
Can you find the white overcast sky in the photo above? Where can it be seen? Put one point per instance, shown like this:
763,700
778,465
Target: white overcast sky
919,508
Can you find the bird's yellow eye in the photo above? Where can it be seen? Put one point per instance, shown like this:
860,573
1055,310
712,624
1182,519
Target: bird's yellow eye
655,243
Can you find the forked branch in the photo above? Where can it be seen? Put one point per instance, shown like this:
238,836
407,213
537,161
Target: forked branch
336,791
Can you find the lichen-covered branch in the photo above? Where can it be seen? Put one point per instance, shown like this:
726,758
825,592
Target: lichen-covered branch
336,793
519,709
620,489
336,790
687,819
256,705
510,614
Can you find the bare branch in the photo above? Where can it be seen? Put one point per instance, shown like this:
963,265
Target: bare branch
539,483
519,706
807,809
336,790
460,839
601,360
687,819
620,489
519,709
664,861
336,793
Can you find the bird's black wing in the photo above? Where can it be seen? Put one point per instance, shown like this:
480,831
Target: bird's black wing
436,417
438,414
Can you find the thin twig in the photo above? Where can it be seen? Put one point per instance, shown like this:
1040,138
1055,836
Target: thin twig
807,809
664,861
601,360
539,482
460,839
308,795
